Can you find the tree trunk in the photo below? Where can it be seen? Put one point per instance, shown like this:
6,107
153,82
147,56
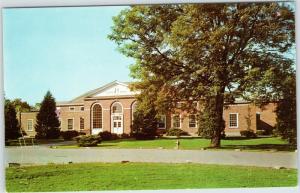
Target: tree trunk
218,124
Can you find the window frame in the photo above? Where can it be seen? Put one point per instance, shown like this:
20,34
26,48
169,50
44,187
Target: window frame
195,121
179,120
237,121
31,120
82,108
80,128
72,124
92,116
72,109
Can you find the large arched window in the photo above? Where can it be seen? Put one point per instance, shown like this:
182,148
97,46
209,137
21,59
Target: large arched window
97,116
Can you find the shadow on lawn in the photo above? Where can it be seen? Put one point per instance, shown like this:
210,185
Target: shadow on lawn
242,138
270,147
106,145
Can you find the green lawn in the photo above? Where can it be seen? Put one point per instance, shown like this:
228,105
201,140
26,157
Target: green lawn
137,176
197,143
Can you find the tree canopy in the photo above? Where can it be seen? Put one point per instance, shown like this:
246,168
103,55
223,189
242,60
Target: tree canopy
21,106
212,52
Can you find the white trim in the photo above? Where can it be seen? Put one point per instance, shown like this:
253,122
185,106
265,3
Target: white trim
31,120
179,120
73,128
92,116
118,103
237,120
116,114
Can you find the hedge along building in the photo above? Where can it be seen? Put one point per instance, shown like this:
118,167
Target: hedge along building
111,107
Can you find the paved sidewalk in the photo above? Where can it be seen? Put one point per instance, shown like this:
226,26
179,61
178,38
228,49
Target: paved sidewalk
45,155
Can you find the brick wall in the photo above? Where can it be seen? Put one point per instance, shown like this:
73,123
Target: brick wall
25,116
245,111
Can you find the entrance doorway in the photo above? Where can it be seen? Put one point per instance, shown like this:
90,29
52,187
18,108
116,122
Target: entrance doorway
117,118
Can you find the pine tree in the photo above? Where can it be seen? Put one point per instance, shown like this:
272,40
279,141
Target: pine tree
47,126
12,128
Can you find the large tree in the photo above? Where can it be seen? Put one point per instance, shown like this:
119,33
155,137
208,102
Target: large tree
47,126
12,127
210,52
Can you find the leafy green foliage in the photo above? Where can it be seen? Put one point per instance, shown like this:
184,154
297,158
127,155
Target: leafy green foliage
47,126
286,111
144,124
176,132
248,133
88,140
68,135
12,127
207,120
106,136
190,52
21,106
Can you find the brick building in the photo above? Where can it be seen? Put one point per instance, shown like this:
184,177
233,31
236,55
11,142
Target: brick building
111,107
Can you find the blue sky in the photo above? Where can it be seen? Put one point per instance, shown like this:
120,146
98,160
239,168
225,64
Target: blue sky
64,50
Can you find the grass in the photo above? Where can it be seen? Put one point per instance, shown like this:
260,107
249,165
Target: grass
29,141
138,176
257,144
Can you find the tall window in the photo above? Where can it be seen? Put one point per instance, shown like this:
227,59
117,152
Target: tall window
97,116
70,124
233,120
30,125
81,123
192,121
176,121
133,109
162,122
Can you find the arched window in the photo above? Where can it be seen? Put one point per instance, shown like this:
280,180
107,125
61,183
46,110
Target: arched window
97,116
133,109
117,108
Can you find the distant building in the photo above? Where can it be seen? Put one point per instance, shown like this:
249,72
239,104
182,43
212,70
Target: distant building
111,107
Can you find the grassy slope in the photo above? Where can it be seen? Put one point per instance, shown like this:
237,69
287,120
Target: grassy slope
197,143
116,176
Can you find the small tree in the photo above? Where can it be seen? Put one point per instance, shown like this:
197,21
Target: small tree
144,124
47,126
286,111
12,127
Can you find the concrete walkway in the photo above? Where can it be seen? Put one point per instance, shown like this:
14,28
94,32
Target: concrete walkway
45,155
